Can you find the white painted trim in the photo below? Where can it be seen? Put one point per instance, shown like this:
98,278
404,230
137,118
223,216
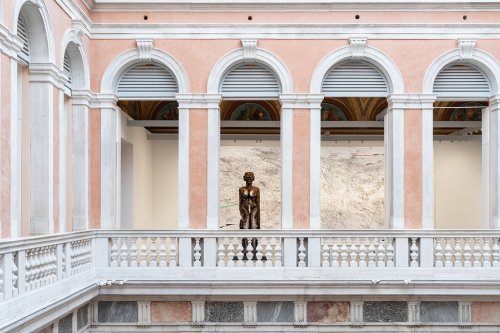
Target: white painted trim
121,63
237,56
428,165
484,61
79,65
48,55
213,162
286,137
183,191
315,166
63,139
485,154
374,56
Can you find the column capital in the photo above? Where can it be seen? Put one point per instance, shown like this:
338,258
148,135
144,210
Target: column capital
494,103
10,44
49,73
301,101
411,101
104,101
198,101
81,97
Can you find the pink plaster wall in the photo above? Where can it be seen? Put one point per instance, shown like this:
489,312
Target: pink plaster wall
413,169
94,168
5,119
198,119
300,168
486,312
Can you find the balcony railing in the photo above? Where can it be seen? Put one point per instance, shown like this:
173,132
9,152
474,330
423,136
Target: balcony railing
30,264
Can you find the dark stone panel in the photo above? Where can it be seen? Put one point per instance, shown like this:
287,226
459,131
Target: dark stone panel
82,316
385,312
66,324
117,312
439,312
224,312
275,312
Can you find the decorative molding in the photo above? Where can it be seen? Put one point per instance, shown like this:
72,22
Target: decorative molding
300,313
144,314
249,49
356,313
145,47
198,101
249,313
414,313
198,313
357,46
301,101
465,313
466,48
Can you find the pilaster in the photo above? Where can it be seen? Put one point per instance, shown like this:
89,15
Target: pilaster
491,163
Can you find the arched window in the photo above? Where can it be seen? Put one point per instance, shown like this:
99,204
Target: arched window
147,81
250,81
22,33
67,69
461,80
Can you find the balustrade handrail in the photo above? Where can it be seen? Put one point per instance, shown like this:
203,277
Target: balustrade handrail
24,243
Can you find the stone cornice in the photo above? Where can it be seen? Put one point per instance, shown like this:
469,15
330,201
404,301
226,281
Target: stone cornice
301,101
410,101
9,43
198,101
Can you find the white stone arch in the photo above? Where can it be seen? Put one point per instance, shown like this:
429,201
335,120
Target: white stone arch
40,30
129,58
1,12
480,59
372,55
80,73
237,57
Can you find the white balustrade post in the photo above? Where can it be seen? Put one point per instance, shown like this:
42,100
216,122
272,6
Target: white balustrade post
21,271
250,312
313,252
100,255
144,314
414,312
402,252
300,312
198,311
290,252
426,252
185,252
7,275
93,314
209,251
74,321
60,267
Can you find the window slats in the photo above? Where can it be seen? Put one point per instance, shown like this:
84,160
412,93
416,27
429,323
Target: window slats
22,33
147,81
67,69
250,80
460,80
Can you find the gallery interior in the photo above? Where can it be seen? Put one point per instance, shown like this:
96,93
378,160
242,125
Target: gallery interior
242,166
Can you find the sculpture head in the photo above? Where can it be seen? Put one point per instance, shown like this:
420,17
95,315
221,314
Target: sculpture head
248,177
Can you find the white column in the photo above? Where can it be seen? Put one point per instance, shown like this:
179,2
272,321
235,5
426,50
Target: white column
249,312
80,130
427,161
485,154
63,138
144,314
41,148
300,312
16,121
286,137
108,162
394,164
414,312
213,159
465,312
315,161
493,163
356,312
183,214
198,311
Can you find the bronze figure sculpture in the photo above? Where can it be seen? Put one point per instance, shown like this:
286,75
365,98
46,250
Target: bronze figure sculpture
249,211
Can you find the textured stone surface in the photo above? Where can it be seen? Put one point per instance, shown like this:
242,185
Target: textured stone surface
328,312
165,312
385,312
439,312
352,187
82,316
486,312
117,312
47,329
275,312
66,324
224,312
265,163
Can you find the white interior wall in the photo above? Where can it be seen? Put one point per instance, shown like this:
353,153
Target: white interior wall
458,185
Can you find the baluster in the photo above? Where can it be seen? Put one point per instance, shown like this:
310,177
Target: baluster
325,254
42,266
477,252
197,252
173,253
414,253
354,253
14,274
259,262
447,253
144,253
486,252
467,254
39,267
269,253
53,260
335,253
249,253
133,252
124,253
153,254
362,253
221,253
496,253
438,253
114,252
390,252
163,252
302,253
458,253
381,253
343,253
278,255
29,270
232,254
239,254
371,253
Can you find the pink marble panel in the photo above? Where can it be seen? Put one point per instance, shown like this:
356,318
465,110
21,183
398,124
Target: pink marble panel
167,312
328,312
486,312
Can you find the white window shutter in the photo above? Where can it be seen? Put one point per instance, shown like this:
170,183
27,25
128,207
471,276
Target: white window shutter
147,81
67,69
22,33
250,80
461,80
355,78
